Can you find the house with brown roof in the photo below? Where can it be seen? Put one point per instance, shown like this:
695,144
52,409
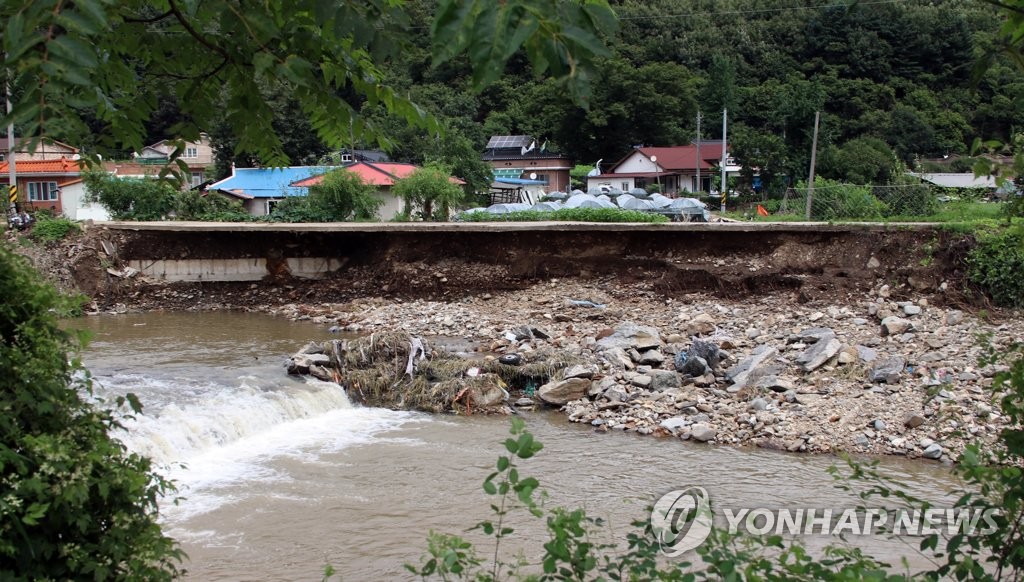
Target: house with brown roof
673,168
520,157
39,182
46,149
197,155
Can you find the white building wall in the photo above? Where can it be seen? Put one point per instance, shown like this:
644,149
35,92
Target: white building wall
73,205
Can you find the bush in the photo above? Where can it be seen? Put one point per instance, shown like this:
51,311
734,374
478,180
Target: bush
567,215
996,264
75,505
836,201
430,188
131,198
342,195
48,229
191,205
907,196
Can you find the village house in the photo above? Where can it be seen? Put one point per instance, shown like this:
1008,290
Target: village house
519,160
261,189
382,175
40,182
197,155
674,169
46,149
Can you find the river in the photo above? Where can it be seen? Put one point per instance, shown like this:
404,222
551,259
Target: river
279,477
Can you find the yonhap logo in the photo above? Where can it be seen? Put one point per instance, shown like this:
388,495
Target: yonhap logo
681,520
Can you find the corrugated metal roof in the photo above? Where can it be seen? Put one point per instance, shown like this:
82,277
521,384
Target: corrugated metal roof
960,180
269,182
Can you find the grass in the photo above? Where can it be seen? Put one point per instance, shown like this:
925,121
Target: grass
958,211
567,215
964,213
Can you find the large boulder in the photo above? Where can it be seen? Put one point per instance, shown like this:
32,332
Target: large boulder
301,363
756,365
820,352
702,432
486,391
887,371
561,392
630,335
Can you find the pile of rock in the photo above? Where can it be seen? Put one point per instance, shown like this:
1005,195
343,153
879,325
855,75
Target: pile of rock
874,375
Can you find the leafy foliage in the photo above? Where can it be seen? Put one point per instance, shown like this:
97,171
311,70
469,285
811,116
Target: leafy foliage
431,190
75,504
96,67
342,195
836,201
49,229
996,264
131,198
567,215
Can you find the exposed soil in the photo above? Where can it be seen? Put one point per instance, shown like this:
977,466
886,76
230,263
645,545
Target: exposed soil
797,267
742,290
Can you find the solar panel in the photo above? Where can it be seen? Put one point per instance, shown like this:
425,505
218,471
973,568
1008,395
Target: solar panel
509,141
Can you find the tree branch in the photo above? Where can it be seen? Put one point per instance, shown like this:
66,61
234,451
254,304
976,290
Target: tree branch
151,20
194,33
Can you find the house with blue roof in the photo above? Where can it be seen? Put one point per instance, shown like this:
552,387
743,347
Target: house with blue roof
260,189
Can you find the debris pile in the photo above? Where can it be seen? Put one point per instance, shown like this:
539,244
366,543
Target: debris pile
399,371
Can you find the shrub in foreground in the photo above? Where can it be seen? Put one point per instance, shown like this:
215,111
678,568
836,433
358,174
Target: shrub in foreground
74,504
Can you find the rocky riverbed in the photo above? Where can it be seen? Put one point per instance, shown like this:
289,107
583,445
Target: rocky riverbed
886,372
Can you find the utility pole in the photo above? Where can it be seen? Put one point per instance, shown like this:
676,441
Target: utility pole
699,188
810,179
12,189
725,189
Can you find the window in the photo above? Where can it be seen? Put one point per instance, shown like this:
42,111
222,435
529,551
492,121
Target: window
197,178
191,152
625,187
42,191
346,158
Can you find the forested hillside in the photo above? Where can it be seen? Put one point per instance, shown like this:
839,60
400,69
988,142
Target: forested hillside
892,78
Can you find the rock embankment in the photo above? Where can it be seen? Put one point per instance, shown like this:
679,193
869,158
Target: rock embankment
885,372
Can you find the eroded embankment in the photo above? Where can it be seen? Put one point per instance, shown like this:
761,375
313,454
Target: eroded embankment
117,262
804,338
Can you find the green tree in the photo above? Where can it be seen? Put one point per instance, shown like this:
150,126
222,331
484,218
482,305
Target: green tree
864,160
75,504
132,198
431,190
342,195
72,62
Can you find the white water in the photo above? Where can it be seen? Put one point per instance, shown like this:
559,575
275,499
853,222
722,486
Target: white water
281,476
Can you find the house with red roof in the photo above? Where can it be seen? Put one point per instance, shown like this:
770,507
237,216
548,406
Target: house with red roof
383,175
674,168
40,182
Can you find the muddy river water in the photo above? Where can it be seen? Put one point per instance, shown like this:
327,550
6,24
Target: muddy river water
280,477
